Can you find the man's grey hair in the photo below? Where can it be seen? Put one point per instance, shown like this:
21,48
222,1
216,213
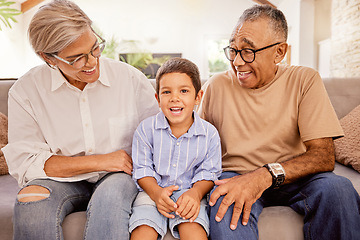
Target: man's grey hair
276,18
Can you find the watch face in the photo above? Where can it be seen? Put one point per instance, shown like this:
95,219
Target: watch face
278,171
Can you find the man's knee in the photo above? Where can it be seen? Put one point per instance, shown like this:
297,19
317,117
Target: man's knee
33,193
331,189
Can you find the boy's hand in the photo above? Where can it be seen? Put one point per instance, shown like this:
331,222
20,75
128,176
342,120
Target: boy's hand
164,203
189,205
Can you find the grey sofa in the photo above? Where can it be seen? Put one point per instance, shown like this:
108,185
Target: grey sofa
274,223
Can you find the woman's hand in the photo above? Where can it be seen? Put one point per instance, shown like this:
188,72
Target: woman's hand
117,161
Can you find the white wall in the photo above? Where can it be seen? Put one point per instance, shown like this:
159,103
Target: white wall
292,14
163,26
300,15
17,56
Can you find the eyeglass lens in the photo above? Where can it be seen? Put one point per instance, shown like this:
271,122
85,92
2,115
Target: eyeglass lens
247,55
95,52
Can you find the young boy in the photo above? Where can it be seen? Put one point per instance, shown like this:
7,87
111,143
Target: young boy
176,157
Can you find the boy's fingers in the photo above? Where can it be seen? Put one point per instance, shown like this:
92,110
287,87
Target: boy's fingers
169,202
172,188
192,219
185,212
166,214
191,213
179,204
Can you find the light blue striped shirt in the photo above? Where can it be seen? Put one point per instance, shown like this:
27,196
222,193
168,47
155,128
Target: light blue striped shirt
194,156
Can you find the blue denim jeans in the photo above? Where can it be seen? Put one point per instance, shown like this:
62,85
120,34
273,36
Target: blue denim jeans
329,203
107,203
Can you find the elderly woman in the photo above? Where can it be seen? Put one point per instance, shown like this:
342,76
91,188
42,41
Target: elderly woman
70,130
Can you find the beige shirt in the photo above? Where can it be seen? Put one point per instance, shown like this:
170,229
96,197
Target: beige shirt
48,116
269,124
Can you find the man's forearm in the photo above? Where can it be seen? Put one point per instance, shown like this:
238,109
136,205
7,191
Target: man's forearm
319,157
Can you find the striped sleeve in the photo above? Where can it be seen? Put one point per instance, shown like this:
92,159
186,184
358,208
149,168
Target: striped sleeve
210,168
142,148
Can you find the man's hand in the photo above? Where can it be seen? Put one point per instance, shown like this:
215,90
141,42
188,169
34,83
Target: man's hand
164,203
242,191
189,205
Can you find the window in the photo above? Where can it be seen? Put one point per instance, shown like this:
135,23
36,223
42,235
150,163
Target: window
216,60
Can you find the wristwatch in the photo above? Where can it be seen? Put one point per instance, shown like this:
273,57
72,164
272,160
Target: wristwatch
277,172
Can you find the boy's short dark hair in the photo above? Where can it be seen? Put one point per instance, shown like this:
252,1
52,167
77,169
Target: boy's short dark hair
179,65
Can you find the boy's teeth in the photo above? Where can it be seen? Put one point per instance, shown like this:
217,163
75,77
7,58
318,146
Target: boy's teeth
175,109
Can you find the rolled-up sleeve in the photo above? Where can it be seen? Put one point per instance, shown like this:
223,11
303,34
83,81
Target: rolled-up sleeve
27,151
142,155
210,168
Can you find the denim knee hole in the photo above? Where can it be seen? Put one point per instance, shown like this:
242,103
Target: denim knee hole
33,193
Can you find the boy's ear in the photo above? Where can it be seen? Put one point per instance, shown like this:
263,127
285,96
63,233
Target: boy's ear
198,97
157,98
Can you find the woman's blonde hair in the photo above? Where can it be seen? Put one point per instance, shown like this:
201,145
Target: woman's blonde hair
56,25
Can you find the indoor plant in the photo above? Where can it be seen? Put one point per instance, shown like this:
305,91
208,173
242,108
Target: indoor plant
7,13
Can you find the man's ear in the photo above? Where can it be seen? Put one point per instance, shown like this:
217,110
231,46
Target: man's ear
281,52
47,59
198,97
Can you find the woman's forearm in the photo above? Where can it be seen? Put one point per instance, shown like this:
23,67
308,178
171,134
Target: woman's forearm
62,166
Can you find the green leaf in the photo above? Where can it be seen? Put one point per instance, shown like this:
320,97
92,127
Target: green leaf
7,14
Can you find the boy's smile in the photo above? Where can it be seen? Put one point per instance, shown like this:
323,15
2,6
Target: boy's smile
177,98
176,110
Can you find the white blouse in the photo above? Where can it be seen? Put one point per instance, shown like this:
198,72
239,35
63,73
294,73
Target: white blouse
48,116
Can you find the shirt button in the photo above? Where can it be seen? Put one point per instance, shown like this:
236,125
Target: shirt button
174,165
178,143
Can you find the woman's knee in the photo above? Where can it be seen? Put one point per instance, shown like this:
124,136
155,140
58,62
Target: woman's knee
116,188
33,193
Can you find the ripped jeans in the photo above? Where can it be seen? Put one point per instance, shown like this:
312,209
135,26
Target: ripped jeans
107,204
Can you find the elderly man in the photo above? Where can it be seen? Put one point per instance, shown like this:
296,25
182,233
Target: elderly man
277,127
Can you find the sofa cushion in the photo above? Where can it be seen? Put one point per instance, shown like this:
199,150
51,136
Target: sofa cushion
3,142
347,149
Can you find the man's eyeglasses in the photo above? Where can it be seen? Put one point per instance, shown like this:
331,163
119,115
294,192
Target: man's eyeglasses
80,61
247,54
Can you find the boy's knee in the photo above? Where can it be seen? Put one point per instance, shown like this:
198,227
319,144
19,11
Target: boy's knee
33,193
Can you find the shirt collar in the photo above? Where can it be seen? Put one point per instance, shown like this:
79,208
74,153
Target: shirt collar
57,79
197,128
